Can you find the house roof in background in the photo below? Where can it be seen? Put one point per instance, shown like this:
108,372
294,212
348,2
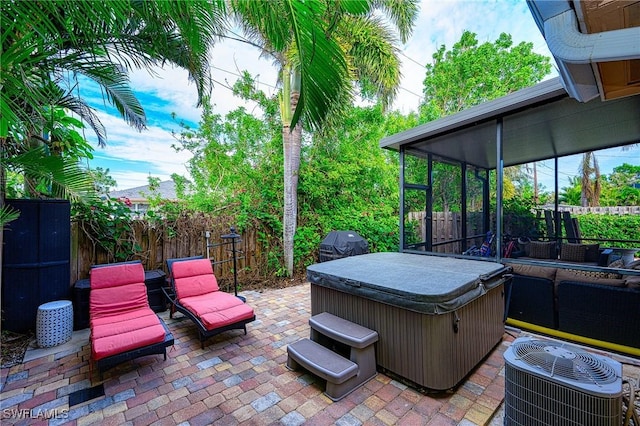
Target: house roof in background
166,189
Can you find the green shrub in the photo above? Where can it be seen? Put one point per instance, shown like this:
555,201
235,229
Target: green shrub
610,227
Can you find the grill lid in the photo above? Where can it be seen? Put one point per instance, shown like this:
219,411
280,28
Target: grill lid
338,244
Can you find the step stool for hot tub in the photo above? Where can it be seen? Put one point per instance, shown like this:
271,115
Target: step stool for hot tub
342,375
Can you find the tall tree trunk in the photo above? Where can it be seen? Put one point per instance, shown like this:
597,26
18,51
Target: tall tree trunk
292,140
590,189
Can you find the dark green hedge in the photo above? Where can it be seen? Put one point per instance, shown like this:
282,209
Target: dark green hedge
607,226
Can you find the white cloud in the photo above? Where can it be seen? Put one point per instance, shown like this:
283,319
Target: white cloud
131,156
228,59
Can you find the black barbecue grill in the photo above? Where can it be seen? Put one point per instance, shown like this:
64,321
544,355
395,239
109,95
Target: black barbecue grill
339,244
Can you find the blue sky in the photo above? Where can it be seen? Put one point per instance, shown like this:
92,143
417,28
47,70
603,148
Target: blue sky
132,156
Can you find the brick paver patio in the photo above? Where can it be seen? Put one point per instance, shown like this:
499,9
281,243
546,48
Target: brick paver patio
235,380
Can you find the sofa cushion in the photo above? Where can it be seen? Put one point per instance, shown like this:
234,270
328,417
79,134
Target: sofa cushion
573,252
618,263
534,271
194,278
632,282
596,277
592,252
524,245
542,249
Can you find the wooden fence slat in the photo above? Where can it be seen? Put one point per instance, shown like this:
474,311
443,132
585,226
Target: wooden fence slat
156,245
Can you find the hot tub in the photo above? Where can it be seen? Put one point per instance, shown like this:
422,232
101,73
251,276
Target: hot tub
436,317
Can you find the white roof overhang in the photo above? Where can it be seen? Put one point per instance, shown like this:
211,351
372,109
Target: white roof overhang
578,54
538,123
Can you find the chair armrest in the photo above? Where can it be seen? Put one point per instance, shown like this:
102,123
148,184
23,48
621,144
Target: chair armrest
169,293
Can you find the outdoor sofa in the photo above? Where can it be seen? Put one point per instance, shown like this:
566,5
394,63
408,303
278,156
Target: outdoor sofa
569,293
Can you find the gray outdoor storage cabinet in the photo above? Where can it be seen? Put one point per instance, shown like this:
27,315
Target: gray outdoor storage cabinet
436,317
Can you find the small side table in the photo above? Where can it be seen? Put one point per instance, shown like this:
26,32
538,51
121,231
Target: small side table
54,323
625,253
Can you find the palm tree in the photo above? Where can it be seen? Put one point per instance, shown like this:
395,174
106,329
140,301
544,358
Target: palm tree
324,48
590,181
46,45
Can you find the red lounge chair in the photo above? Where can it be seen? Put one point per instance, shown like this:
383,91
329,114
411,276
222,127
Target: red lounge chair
122,324
197,296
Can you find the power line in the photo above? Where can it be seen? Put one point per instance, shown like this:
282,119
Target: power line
412,60
239,75
409,91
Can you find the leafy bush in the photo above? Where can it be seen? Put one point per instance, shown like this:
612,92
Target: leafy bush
611,227
108,224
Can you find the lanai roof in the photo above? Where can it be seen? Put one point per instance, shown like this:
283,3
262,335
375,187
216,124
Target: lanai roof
539,123
596,46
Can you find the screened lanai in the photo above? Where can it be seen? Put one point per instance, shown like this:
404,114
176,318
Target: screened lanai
537,123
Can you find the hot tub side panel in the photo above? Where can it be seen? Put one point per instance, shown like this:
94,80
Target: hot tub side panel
422,348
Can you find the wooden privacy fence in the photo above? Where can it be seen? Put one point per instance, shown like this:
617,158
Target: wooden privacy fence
614,210
161,241
447,230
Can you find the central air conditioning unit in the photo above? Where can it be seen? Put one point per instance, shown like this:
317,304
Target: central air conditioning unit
551,383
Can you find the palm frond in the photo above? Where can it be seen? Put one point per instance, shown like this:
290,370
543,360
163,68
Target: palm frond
115,83
264,20
371,47
86,113
403,14
65,178
7,214
324,71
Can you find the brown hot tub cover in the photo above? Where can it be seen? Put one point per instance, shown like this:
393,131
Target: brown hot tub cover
421,283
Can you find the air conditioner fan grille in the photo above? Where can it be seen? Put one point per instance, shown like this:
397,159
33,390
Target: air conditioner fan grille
564,361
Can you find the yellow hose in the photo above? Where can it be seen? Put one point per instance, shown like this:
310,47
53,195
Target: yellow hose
573,337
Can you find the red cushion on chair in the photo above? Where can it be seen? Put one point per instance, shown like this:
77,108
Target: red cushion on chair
217,309
117,288
112,338
117,275
121,319
193,278
123,323
117,300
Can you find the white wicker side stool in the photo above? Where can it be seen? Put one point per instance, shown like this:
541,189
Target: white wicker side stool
54,323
